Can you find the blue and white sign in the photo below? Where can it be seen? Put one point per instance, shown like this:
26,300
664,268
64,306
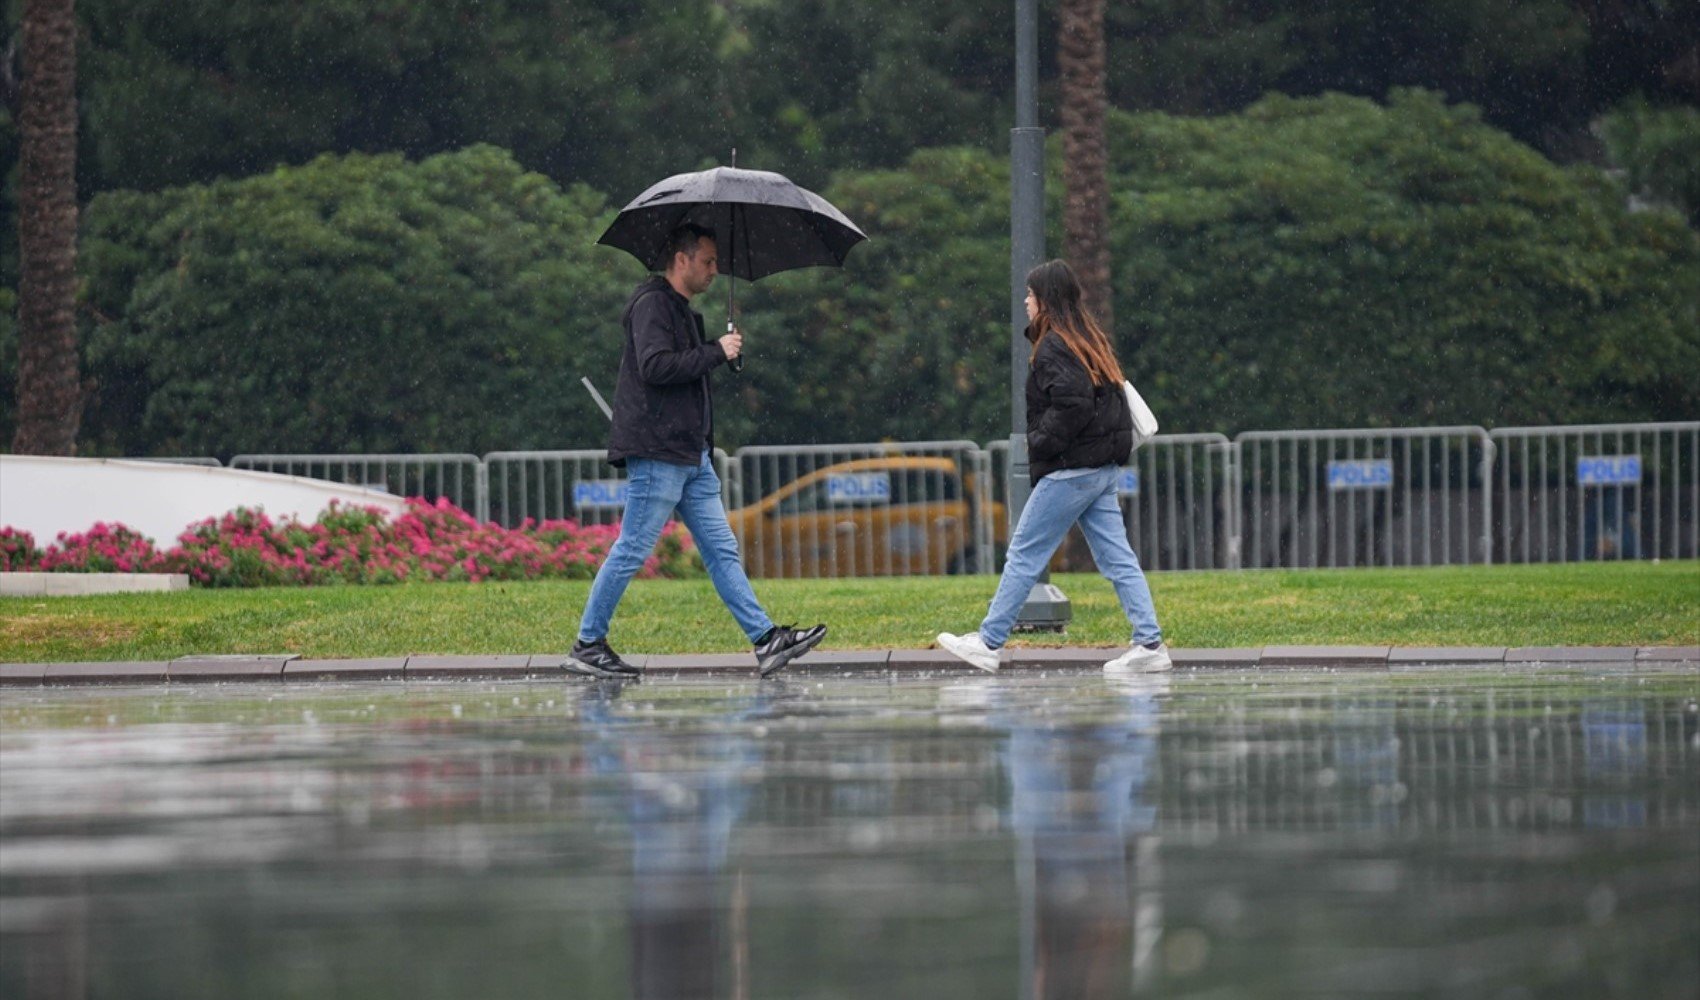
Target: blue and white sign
590,494
1608,470
859,487
1367,474
1127,484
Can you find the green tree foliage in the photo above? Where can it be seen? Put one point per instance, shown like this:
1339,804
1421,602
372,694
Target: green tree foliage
359,304
179,91
1659,150
1317,262
814,86
611,94
1331,261
1540,69
1312,262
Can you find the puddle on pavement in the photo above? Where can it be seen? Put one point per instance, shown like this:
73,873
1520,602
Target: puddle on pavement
1434,833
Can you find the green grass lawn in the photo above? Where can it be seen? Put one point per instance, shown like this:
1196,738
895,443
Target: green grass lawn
1606,604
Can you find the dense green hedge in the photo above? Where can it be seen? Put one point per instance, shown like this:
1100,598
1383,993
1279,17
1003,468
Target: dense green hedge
1318,262
1314,262
1335,262
353,304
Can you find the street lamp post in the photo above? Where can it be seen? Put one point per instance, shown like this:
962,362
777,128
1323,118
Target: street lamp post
1046,607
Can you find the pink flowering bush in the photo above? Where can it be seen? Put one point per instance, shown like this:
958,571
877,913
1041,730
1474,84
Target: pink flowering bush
244,548
431,541
104,548
17,551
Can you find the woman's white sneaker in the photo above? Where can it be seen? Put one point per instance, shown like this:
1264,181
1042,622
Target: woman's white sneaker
1140,660
970,648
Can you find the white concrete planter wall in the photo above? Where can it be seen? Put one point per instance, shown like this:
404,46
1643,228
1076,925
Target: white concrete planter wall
46,496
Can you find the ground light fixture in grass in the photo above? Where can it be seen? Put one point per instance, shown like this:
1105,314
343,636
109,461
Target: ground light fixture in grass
1612,604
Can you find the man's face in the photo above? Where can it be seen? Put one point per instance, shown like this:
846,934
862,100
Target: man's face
696,271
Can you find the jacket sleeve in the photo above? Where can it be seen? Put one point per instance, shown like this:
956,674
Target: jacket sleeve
1070,402
658,361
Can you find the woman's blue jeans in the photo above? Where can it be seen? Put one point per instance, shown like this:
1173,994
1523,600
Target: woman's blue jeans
654,491
1089,497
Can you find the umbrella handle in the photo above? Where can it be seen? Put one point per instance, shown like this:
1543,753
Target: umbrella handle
737,363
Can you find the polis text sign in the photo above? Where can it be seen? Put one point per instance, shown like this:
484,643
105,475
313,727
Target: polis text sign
1364,474
859,487
591,494
1608,470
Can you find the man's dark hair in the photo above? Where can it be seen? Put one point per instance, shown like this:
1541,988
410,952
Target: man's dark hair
685,240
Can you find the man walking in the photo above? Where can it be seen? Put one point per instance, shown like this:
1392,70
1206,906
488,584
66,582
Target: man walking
664,436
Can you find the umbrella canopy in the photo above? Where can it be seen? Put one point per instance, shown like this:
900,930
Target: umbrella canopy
762,222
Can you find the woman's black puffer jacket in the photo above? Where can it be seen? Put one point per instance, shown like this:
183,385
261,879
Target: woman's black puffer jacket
1072,424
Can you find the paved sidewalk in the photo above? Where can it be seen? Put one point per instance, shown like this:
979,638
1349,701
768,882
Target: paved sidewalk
290,667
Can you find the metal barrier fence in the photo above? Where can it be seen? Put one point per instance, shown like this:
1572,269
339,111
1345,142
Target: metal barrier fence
1599,492
1398,497
460,478
1267,499
556,485
1176,500
884,509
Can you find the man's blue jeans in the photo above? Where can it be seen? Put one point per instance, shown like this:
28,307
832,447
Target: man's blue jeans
656,489
1057,501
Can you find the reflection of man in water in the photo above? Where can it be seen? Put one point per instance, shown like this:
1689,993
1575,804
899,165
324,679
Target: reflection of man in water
684,794
1079,810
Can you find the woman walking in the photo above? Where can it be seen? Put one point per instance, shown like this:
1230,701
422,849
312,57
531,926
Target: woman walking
1079,434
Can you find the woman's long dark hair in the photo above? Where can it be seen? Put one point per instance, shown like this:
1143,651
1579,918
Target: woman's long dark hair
1061,313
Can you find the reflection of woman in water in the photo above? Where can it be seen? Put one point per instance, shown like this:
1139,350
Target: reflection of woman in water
1078,807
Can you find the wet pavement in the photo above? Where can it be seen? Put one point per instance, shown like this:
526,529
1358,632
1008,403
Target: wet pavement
1436,831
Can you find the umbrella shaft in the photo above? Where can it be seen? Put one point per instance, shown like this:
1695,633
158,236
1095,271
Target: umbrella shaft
737,363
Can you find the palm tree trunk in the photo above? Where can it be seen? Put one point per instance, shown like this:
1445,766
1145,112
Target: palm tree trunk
49,400
1086,195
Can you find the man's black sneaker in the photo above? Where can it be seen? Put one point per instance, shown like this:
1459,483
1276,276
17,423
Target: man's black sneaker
783,643
598,659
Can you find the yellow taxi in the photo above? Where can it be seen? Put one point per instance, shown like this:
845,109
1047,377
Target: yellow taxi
893,516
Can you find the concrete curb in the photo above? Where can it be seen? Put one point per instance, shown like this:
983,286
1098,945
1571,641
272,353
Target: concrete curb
289,668
20,584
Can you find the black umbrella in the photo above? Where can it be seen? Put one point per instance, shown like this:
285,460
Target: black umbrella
762,224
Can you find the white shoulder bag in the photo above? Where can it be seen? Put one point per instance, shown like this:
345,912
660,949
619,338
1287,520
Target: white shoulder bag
1144,421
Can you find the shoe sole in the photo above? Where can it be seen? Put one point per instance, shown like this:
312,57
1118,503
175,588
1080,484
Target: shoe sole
584,669
790,654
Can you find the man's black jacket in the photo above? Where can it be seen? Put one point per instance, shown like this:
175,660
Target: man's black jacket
1071,423
662,405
